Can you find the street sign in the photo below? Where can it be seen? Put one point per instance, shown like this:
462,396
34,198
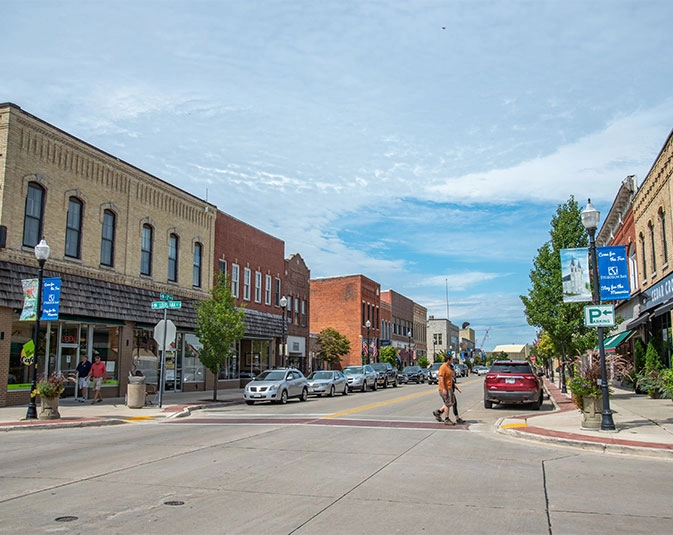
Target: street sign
168,327
599,316
174,304
166,297
159,304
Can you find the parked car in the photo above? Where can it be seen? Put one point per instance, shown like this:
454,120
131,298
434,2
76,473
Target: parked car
512,381
480,370
327,382
414,374
361,377
276,385
461,370
433,371
387,375
402,378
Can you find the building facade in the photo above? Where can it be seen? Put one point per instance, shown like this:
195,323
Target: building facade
298,294
402,335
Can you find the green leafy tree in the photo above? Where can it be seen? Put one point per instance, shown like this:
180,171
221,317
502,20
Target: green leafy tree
219,325
388,354
544,306
333,346
639,355
422,361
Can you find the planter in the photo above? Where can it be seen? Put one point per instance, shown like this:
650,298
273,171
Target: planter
49,409
592,412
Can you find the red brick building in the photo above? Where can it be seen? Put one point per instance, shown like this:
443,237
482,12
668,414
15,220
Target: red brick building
298,295
346,304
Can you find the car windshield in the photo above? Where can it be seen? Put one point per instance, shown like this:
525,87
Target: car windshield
352,370
381,367
436,366
270,375
321,375
510,367
411,369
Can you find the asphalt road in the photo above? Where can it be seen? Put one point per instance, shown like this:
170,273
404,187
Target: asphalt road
364,463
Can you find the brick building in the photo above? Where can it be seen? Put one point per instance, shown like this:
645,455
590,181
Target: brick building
298,294
402,335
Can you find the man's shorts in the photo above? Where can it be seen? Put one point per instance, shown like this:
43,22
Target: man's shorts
97,381
83,382
448,400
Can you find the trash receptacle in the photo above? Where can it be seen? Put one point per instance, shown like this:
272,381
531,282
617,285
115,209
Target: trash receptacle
135,395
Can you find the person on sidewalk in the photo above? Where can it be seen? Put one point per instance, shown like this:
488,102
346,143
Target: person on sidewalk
83,369
98,374
445,382
459,420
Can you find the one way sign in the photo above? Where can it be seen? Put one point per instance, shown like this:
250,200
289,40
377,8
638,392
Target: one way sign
599,316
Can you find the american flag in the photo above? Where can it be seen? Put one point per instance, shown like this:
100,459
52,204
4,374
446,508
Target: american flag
364,347
375,350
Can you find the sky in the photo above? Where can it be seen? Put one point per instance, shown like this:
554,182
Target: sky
425,144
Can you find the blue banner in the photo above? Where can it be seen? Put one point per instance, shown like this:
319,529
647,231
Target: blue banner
613,273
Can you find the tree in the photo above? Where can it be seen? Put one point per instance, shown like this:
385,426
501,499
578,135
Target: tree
219,325
333,346
388,354
544,306
423,361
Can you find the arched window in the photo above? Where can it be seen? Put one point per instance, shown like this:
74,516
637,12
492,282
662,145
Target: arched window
664,241
73,228
146,250
650,226
107,238
173,244
644,253
196,270
33,215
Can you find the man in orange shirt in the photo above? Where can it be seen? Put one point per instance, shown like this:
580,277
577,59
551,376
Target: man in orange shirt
98,373
445,382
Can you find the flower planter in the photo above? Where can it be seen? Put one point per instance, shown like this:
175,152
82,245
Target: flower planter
49,409
592,412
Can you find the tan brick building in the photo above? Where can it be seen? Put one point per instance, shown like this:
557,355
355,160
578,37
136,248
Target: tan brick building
119,238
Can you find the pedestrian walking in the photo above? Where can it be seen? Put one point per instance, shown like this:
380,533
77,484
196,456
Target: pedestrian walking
445,382
459,420
83,369
98,374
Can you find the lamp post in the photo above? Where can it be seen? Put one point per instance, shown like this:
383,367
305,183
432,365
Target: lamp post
283,305
590,219
434,350
368,324
42,255
409,347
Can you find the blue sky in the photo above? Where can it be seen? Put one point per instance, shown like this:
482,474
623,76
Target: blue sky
424,144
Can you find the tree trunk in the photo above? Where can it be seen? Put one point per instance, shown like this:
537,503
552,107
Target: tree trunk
215,386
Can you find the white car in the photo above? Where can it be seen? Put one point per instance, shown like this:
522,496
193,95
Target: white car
361,377
480,370
277,385
327,382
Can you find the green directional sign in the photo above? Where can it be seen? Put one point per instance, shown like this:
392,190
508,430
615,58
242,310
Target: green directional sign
174,304
599,316
166,297
159,304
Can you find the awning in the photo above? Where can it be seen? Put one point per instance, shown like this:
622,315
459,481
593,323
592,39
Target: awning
638,321
610,344
666,307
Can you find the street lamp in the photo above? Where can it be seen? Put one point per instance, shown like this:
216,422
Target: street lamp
283,305
42,254
409,346
368,324
590,219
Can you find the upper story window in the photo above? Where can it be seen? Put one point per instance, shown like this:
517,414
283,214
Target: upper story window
33,216
247,276
235,279
644,253
303,313
633,268
173,250
267,290
664,240
277,297
650,226
222,267
107,238
146,250
73,228
196,268
258,287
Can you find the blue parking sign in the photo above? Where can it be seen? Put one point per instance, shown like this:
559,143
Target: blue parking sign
613,273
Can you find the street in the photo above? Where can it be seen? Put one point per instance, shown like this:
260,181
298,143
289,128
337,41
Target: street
364,463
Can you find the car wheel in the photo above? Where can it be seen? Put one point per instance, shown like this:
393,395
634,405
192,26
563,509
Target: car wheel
376,386
304,395
488,404
331,391
538,404
364,387
395,383
345,392
283,397
249,402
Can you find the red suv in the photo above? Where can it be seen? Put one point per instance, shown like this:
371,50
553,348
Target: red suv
512,381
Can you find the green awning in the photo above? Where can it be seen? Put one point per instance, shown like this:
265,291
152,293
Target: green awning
610,344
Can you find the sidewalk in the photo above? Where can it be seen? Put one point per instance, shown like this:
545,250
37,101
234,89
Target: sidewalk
644,426
114,410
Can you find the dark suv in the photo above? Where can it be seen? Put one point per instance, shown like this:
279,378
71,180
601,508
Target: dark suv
386,374
512,381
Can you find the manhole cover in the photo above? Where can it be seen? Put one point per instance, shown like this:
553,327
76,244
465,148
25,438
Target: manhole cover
174,502
66,518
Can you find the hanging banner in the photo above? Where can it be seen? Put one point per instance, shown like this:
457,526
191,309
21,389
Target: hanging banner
51,298
575,275
613,273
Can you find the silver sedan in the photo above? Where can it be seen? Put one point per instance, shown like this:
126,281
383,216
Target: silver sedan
327,382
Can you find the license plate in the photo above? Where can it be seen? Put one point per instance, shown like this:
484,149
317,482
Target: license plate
257,395
509,381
